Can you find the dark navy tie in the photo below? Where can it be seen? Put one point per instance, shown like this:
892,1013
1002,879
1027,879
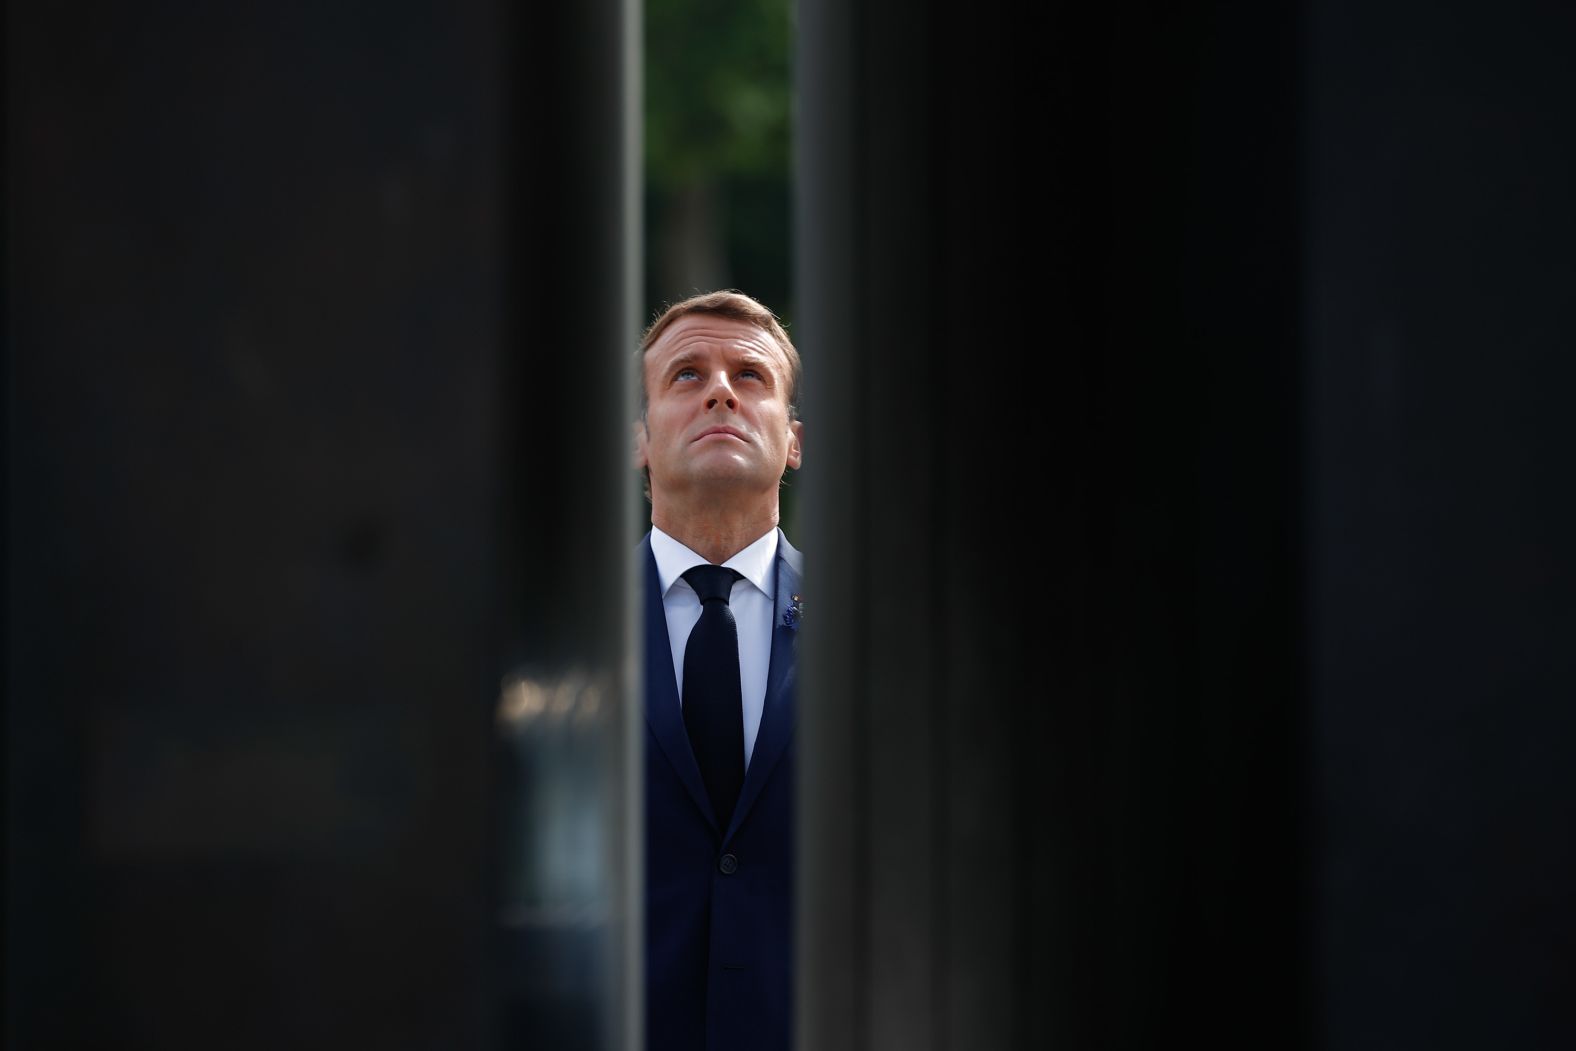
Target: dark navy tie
713,705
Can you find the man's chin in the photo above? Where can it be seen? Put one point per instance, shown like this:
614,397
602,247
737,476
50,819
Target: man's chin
722,461
723,476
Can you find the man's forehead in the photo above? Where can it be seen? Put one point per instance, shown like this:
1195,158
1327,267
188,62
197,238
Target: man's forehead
695,333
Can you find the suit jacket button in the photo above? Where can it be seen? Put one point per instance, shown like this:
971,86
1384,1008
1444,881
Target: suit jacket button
729,864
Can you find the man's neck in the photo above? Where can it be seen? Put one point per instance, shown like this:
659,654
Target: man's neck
716,534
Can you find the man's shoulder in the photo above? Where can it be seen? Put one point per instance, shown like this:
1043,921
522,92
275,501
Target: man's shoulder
788,553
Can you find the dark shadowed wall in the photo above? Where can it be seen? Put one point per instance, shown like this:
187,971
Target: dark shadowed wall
1441,315
281,520
1190,645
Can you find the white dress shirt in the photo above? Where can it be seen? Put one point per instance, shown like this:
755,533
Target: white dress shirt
752,602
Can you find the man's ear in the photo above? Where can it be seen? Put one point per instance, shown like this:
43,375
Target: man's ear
795,444
637,452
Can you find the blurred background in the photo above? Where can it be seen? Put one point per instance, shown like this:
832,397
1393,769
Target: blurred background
716,154
1189,646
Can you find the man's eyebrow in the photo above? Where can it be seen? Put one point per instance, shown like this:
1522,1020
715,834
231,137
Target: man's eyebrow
678,361
749,358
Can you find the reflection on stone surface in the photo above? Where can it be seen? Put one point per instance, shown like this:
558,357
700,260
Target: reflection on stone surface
527,704
555,911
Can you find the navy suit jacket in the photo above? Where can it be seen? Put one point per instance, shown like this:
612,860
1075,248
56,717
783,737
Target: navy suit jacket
719,924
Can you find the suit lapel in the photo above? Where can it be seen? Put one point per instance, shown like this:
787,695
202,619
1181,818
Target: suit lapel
777,716
663,712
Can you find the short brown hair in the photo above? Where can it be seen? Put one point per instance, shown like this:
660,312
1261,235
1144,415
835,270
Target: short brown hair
736,306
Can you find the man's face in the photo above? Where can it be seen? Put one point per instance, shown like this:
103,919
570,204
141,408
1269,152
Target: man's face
717,415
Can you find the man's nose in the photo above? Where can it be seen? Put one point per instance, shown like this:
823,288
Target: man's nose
719,390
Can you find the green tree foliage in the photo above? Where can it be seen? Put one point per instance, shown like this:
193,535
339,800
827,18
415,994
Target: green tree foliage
717,98
717,148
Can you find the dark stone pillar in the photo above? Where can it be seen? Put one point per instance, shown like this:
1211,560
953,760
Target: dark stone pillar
1189,655
292,295
1441,317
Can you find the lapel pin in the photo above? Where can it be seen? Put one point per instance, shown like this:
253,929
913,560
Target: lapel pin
794,612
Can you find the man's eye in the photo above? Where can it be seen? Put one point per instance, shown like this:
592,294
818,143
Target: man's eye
749,373
685,374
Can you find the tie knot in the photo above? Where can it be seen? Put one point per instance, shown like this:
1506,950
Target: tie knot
712,582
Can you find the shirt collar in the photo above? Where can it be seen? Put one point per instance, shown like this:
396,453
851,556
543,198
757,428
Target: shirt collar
754,563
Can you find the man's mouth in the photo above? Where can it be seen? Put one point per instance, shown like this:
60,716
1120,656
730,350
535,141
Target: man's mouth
725,432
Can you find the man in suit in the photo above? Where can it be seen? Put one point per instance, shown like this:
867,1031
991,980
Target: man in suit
718,429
